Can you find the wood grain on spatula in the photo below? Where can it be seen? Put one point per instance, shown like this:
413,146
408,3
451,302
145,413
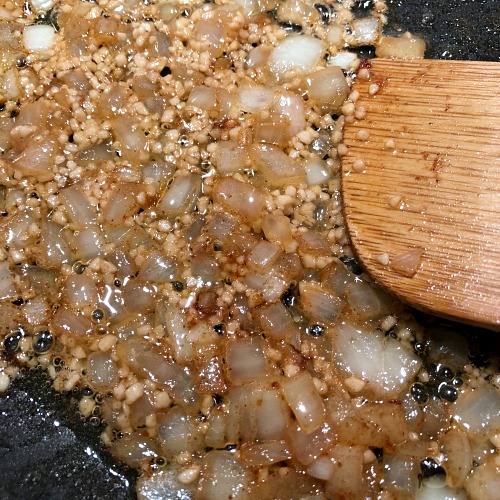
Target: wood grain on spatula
421,184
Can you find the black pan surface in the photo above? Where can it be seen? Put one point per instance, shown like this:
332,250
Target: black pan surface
46,451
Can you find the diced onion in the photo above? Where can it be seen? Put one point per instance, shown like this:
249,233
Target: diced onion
347,477
385,363
239,197
41,5
304,400
348,61
181,196
277,229
122,204
458,464
134,449
290,108
318,171
256,455
405,47
134,145
365,31
327,88
89,243
318,305
296,51
79,209
407,263
366,301
39,37
245,360
263,256
271,415
101,369
177,432
65,322
223,476
202,97
478,411
321,468
7,289
254,98
229,157
37,159
276,167
275,321
307,447
80,291
157,268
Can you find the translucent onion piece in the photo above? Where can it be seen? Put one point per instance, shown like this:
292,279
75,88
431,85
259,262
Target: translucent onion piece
7,288
254,98
405,47
365,31
321,468
277,229
41,5
366,301
458,464
263,256
478,411
55,249
387,365
313,243
484,482
113,102
89,243
135,449
216,433
177,432
401,473
184,339
297,12
10,88
245,360
221,227
139,297
78,207
101,369
296,51
203,97
407,263
239,197
290,107
304,400
122,204
223,477
276,167
65,322
276,321
37,159
157,268
257,455
348,61
39,37
271,415
347,478
229,157
307,447
317,305
181,196
428,492
317,171
80,291
390,419
335,277
134,146
328,88
258,56
164,483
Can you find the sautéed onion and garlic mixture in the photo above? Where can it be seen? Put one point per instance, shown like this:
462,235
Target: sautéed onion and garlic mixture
173,247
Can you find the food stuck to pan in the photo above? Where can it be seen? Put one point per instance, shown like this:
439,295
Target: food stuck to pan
174,252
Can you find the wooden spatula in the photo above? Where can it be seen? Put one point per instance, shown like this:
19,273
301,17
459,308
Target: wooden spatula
421,184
